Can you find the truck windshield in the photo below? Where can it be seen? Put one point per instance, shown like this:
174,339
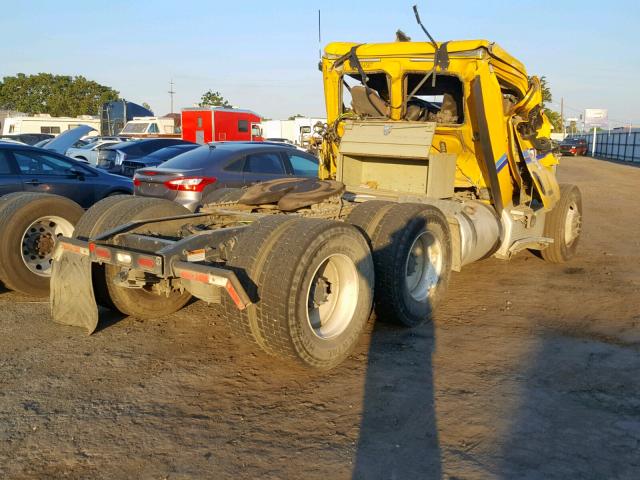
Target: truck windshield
135,128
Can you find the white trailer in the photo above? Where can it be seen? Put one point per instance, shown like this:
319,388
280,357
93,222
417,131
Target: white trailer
45,123
297,131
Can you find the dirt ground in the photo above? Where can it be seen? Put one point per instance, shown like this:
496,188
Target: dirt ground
531,370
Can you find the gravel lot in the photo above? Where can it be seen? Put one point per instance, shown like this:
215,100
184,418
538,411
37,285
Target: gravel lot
531,370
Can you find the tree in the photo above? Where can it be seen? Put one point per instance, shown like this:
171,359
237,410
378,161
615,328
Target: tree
57,95
213,99
297,115
147,106
552,115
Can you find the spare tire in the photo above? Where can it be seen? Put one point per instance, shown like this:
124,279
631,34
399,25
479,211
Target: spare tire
31,224
291,193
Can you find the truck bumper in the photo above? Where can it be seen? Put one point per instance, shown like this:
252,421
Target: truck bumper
72,299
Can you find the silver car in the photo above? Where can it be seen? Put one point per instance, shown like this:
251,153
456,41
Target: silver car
190,177
89,152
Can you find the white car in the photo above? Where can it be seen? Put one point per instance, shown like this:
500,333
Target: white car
89,152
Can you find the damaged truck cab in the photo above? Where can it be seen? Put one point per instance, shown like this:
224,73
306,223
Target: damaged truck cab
481,116
434,156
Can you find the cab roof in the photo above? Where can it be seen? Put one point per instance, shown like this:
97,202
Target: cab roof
421,49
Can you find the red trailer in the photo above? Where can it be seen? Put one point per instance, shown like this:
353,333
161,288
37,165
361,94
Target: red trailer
216,124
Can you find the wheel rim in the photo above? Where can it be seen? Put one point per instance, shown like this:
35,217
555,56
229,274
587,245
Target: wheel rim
423,266
332,296
572,224
39,241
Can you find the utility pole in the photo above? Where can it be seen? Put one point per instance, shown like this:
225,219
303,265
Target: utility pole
171,92
564,131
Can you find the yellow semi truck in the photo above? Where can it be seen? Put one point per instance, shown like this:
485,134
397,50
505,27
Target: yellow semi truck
434,155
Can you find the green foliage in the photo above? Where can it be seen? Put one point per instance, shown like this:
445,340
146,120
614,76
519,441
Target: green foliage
297,115
147,106
57,95
553,116
546,91
213,99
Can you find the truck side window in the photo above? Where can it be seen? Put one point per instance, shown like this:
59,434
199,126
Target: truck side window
442,103
378,93
243,125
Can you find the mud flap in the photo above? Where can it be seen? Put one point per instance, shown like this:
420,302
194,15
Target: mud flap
72,299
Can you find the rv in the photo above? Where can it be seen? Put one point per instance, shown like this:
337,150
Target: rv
45,123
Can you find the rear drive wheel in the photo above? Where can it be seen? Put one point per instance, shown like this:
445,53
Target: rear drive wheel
366,216
564,225
412,256
247,260
315,288
31,225
145,302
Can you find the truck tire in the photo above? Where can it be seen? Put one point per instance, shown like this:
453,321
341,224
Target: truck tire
564,225
31,224
223,195
89,226
315,292
247,260
366,216
412,257
141,303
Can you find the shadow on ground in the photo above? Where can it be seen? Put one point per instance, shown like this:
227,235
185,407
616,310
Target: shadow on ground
398,432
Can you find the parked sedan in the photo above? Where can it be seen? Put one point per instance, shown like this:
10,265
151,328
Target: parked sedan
190,177
129,167
573,146
89,152
30,169
112,157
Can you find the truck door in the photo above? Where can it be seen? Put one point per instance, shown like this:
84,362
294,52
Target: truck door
490,133
256,132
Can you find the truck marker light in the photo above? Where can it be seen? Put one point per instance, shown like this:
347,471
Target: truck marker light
123,258
100,252
146,262
189,184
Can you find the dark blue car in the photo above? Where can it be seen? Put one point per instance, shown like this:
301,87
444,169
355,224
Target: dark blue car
31,169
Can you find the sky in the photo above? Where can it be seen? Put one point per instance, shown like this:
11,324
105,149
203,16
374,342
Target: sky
264,55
